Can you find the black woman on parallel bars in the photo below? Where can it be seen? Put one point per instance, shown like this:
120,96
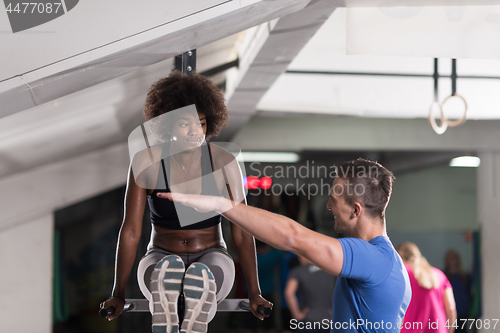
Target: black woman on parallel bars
186,270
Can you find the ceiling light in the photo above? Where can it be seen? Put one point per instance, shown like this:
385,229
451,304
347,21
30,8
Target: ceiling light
465,161
270,157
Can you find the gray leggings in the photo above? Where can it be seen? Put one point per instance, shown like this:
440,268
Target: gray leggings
218,261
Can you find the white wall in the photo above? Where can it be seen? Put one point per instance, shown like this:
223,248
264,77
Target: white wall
488,213
434,207
438,198
27,201
26,261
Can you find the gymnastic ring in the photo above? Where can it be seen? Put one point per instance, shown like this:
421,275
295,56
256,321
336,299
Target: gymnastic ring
444,123
458,122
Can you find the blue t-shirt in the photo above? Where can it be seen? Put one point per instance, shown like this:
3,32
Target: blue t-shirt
373,290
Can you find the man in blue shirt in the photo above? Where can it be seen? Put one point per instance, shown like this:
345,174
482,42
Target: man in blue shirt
373,290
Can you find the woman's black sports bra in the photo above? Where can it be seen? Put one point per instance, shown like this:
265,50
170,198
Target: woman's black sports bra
163,212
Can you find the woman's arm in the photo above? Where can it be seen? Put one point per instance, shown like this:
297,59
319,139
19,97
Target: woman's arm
449,308
245,246
244,242
128,239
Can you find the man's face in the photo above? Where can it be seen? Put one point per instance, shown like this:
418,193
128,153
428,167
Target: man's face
340,209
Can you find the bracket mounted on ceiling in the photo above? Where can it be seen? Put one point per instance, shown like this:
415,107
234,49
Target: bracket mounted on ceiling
186,62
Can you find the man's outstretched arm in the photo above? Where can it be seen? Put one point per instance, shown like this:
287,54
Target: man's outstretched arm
276,230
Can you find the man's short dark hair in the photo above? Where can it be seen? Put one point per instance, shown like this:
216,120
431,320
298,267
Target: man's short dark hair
368,183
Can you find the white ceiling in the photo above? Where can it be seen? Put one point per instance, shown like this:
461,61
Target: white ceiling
377,96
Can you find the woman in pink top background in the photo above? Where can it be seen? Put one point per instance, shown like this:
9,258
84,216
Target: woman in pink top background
432,302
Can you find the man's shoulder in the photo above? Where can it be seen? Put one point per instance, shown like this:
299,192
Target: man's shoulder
384,245
371,261
378,242
381,241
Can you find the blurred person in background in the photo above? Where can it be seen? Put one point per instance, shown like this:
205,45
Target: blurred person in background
461,284
315,288
288,262
432,306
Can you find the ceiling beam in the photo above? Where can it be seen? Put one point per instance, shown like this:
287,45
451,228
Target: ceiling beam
73,74
296,133
274,46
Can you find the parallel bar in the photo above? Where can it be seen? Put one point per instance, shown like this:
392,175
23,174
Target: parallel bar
227,305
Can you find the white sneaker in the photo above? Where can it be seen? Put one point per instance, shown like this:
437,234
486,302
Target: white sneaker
199,295
166,286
